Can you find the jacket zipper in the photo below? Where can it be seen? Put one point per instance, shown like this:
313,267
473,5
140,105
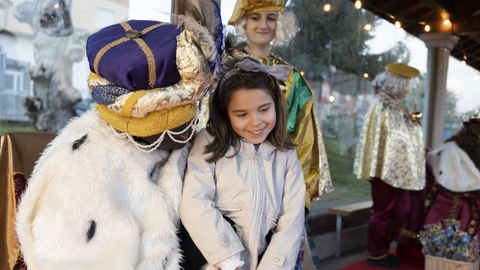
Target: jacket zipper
256,196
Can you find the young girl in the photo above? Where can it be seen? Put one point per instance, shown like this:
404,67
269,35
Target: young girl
266,23
243,195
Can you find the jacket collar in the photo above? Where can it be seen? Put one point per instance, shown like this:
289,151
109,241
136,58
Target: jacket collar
264,149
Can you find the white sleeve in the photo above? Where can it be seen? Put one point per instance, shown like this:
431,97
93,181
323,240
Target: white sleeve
282,251
231,263
198,210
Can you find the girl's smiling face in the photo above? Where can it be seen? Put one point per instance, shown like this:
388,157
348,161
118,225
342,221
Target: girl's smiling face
252,114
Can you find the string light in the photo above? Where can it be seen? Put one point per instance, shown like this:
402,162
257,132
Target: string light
365,75
331,98
327,7
358,4
398,22
447,26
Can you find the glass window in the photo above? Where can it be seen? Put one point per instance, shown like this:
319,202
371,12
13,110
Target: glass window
13,81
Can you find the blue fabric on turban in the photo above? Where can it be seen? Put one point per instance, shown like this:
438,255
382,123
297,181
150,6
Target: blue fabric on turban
125,64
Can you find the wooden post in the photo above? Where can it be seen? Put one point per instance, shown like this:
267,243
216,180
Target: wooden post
439,46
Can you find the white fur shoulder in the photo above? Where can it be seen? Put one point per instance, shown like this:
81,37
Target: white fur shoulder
95,202
453,169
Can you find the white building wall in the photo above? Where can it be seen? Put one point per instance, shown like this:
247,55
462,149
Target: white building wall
12,24
3,18
85,13
18,47
92,15
157,10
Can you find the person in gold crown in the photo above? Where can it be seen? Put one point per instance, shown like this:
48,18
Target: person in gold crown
265,23
390,154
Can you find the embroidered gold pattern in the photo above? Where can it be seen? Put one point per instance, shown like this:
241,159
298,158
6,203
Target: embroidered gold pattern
105,49
473,224
152,69
454,207
432,193
135,35
391,146
126,26
470,198
150,28
409,234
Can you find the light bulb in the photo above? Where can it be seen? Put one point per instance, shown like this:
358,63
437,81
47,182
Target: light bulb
331,99
358,4
327,7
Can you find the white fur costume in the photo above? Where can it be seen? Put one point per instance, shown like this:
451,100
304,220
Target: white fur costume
95,202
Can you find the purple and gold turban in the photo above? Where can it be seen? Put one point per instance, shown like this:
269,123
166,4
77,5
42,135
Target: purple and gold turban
147,76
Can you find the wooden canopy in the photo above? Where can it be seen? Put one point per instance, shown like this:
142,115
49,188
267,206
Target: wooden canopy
414,15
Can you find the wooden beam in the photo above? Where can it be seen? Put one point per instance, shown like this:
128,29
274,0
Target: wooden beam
465,9
411,10
445,5
467,43
440,9
425,14
466,25
475,36
474,54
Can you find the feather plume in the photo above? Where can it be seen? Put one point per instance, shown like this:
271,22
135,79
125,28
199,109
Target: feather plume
207,14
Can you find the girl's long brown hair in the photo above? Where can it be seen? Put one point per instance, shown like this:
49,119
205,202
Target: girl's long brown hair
218,124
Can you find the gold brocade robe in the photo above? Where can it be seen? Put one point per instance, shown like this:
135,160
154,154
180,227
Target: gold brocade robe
18,153
306,135
391,146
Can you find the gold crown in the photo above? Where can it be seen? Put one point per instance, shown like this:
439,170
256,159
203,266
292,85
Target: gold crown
247,7
402,70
